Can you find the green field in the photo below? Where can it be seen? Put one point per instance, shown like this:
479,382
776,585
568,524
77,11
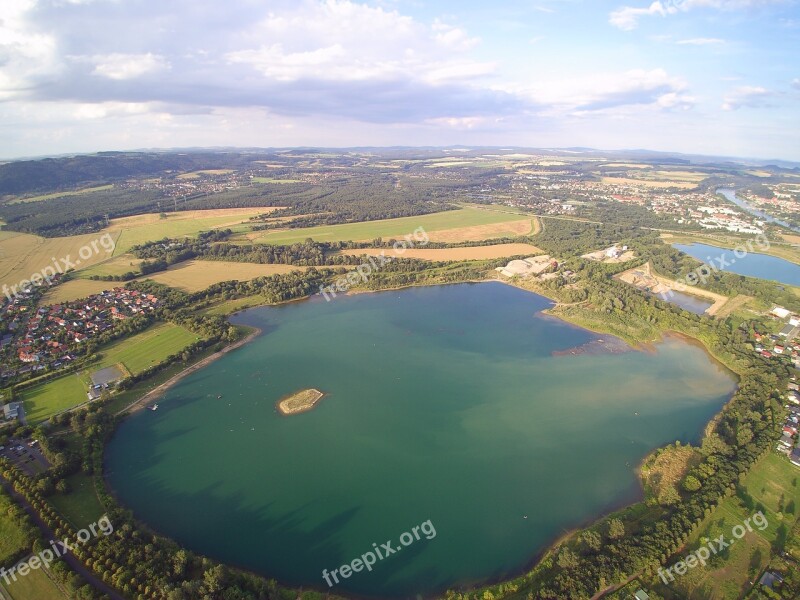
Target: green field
36,585
149,227
147,348
387,228
135,353
46,399
80,506
12,538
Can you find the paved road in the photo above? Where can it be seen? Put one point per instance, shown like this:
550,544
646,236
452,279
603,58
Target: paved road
48,534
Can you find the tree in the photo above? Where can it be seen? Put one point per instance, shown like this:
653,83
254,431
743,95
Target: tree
567,559
691,483
616,529
591,539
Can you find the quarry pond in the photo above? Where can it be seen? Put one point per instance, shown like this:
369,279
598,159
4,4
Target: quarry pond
461,405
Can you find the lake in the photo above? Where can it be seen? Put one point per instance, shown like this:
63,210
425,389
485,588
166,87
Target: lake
451,404
751,265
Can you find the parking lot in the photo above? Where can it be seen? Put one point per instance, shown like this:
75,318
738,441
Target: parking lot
26,455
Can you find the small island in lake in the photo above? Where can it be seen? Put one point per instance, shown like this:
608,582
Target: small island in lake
299,401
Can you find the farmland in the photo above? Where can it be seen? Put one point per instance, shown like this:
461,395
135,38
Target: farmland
195,275
24,254
449,221
75,289
148,227
443,254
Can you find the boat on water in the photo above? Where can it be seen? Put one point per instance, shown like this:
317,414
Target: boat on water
153,407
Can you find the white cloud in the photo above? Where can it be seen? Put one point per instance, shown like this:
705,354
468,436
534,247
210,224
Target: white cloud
127,66
796,83
603,91
700,42
747,96
627,17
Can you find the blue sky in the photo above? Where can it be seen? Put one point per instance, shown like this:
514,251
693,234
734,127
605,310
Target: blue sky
707,76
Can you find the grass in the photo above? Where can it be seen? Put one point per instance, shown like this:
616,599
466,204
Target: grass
147,348
12,537
46,399
387,228
80,506
135,353
195,275
227,307
770,486
36,585
99,188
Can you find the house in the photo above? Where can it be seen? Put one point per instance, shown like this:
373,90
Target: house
795,457
12,410
786,440
641,595
786,330
770,578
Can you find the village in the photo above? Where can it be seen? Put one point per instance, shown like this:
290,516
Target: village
50,337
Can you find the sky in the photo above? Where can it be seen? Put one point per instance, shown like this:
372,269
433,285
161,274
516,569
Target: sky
718,77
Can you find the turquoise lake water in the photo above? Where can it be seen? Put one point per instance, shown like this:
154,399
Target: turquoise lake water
444,404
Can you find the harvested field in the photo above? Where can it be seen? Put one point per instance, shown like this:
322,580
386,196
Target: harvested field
443,254
454,225
646,183
22,254
484,232
195,275
75,289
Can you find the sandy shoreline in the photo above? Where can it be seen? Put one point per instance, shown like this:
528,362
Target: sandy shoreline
158,391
